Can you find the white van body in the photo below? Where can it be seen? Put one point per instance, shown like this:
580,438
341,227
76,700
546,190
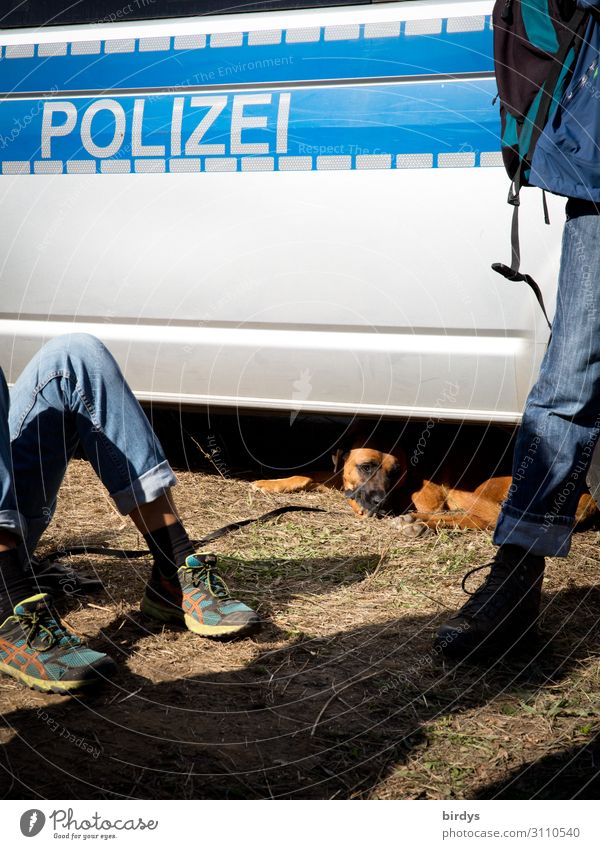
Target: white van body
288,210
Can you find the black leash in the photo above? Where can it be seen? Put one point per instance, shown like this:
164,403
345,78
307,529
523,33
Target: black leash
127,553
65,580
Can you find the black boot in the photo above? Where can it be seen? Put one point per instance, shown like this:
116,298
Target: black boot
501,612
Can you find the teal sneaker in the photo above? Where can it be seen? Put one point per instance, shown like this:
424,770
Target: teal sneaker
199,599
37,649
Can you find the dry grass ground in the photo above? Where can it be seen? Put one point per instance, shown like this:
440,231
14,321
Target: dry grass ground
338,696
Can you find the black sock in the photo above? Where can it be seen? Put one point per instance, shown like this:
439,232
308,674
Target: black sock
16,582
169,547
520,555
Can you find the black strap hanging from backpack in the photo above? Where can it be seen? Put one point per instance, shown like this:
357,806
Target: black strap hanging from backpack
512,272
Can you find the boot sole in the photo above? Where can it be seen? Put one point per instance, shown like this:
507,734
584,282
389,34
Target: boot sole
490,647
174,617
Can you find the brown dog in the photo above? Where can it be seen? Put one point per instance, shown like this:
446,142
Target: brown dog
442,492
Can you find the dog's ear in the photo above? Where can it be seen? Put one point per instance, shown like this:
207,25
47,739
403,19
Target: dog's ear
338,458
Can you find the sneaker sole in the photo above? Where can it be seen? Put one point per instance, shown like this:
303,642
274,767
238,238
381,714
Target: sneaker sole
168,616
58,687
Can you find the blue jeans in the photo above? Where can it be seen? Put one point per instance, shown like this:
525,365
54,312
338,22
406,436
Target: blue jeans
561,422
72,394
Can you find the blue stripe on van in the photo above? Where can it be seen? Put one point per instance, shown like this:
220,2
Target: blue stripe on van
420,124
348,51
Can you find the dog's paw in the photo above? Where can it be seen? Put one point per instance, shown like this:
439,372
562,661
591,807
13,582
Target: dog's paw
264,485
409,527
272,485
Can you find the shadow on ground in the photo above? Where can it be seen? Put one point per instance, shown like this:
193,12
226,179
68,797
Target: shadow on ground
322,717
571,774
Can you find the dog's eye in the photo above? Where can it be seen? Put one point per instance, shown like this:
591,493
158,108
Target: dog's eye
366,467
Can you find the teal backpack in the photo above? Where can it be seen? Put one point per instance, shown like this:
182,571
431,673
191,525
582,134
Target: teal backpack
536,44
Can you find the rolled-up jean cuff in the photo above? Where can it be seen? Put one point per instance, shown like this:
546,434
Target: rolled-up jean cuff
11,520
145,489
548,539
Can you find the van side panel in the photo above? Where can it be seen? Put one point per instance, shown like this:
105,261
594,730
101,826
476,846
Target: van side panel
287,210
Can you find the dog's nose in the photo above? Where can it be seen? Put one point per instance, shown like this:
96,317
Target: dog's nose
378,497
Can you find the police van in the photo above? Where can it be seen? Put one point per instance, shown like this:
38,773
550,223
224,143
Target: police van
281,205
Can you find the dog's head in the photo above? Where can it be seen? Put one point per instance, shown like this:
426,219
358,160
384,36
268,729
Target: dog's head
370,476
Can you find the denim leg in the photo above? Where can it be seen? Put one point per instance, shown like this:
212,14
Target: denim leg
10,518
73,393
561,422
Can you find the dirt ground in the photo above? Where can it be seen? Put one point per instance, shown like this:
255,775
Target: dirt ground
339,695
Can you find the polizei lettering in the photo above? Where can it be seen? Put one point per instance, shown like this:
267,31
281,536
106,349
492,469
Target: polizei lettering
164,126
